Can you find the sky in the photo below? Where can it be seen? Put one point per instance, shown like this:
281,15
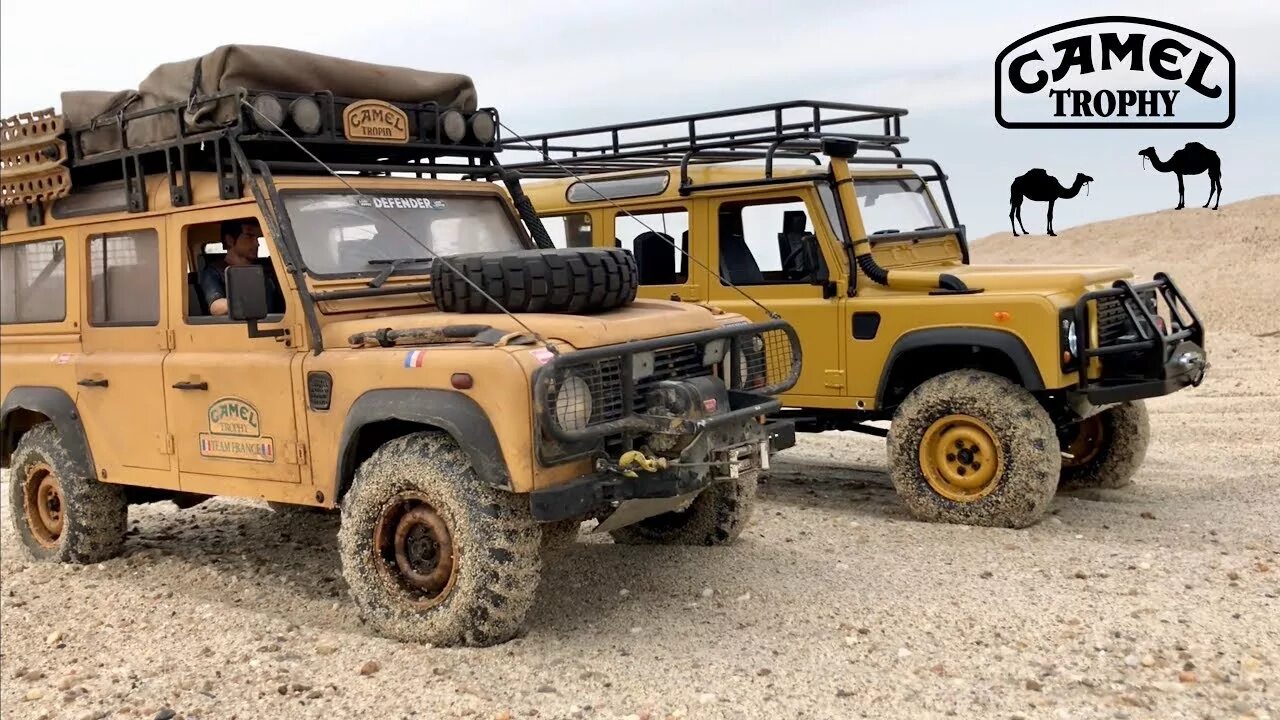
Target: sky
554,64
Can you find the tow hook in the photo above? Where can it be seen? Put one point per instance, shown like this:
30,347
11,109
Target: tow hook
636,459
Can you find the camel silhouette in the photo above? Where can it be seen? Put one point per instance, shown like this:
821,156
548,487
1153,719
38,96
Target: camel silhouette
1192,159
1036,184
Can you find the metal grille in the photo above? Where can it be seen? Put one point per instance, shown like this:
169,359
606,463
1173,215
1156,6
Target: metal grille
1119,318
677,363
762,362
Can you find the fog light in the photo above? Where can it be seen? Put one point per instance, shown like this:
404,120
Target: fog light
305,114
483,128
268,112
453,125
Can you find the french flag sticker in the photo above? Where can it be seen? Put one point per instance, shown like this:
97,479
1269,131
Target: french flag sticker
414,359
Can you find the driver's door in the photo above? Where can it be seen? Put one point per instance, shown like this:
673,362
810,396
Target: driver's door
231,398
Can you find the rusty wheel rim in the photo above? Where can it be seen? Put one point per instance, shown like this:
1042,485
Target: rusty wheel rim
1086,442
415,550
43,504
961,458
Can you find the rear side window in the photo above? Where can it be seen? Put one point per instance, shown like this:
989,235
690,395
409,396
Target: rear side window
33,282
572,230
124,278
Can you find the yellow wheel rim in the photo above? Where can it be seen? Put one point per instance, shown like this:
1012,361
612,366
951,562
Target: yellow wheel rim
1086,442
961,458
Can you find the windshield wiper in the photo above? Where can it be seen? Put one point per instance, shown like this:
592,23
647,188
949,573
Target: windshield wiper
392,265
886,231
929,227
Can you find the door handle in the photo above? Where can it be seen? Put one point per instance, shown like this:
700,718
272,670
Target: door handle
188,385
92,382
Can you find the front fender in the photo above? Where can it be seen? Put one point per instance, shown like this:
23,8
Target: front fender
453,412
999,340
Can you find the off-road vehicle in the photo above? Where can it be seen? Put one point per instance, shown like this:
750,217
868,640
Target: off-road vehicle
404,348
1001,383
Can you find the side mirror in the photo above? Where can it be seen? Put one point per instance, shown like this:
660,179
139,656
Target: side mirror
247,298
246,293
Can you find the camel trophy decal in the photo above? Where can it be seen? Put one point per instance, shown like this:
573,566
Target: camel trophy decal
1036,184
1192,159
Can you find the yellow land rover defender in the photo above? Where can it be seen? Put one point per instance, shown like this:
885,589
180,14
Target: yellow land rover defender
1002,383
307,289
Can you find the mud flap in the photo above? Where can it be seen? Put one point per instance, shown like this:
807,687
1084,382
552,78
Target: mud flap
637,509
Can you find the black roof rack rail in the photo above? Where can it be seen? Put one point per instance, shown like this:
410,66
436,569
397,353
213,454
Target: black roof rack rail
426,151
792,129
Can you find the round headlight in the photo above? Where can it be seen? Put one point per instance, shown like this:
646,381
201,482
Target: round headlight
453,125
267,106
573,403
483,127
1072,341
305,113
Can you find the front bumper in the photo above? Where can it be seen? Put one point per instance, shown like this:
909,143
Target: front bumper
716,456
1160,348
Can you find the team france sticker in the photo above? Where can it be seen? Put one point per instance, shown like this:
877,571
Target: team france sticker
414,358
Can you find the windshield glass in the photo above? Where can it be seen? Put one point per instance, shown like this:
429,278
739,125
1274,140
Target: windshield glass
889,206
347,233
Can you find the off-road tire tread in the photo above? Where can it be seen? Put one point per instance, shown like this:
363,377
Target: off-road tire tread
717,516
496,539
95,514
563,280
1128,433
1026,434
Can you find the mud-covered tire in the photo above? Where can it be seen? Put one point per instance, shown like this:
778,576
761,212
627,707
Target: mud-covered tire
1115,455
563,280
90,517
494,540
1019,437
716,516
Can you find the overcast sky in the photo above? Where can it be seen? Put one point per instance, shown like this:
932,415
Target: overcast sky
550,64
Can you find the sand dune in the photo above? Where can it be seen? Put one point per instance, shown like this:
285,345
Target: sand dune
1227,262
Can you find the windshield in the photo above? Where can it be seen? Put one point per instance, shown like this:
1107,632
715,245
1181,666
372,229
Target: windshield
890,206
346,233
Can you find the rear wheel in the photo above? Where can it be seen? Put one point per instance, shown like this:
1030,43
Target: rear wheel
432,554
1105,449
57,514
973,448
716,516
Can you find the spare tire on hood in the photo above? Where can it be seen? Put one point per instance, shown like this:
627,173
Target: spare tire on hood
562,280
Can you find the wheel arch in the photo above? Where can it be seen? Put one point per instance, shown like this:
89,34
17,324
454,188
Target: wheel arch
921,354
378,416
26,406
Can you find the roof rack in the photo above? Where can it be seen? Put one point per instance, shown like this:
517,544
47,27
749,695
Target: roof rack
766,133
422,139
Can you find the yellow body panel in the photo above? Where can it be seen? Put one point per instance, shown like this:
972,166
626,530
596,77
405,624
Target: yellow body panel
200,407
841,371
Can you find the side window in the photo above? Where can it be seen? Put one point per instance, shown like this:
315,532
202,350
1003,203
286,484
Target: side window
653,236
124,278
768,242
33,282
214,246
572,230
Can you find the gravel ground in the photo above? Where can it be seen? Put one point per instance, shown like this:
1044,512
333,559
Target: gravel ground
1161,600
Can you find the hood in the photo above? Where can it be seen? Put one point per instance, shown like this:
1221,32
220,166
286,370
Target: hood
1041,279
641,320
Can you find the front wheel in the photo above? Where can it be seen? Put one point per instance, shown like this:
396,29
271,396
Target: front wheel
716,516
973,448
432,554
1105,450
